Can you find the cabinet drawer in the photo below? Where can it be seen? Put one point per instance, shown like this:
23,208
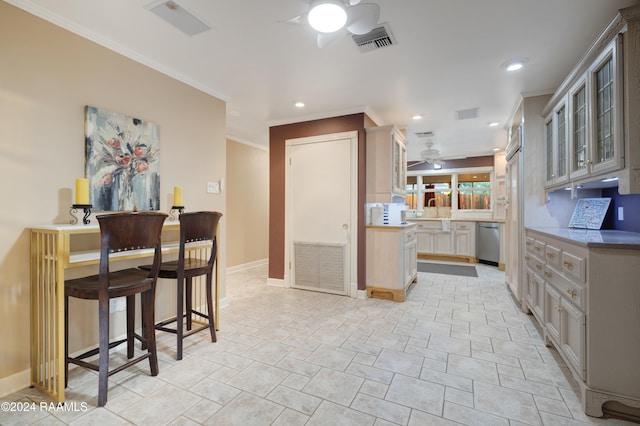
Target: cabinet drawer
463,226
529,244
538,248
553,256
574,266
535,264
569,290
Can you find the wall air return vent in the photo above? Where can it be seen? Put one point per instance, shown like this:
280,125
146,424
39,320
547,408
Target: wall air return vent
375,39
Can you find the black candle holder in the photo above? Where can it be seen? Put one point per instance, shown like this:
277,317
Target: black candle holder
174,209
87,211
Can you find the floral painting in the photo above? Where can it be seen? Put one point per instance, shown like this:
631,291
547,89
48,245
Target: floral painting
123,161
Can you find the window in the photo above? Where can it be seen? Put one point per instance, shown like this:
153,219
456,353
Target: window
437,191
412,192
474,191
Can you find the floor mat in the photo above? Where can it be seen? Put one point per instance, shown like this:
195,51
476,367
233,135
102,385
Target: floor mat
444,268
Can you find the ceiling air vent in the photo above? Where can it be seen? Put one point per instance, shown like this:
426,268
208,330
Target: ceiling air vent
424,134
375,39
175,14
465,114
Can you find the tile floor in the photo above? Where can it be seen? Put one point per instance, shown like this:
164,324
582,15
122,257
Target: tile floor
456,352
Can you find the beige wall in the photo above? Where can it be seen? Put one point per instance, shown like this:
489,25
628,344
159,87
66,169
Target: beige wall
247,190
47,76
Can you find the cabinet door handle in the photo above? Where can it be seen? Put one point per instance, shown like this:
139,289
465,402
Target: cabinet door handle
567,264
558,308
537,248
547,274
527,258
538,267
550,255
571,292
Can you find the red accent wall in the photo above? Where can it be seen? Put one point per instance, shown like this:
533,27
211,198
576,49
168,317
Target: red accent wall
277,137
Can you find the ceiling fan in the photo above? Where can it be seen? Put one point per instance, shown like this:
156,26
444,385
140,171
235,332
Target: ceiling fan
432,156
332,18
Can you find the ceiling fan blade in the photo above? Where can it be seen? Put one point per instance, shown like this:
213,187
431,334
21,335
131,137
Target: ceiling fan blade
324,39
363,18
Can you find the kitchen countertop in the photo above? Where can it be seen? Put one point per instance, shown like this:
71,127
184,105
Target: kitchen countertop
398,226
593,238
457,219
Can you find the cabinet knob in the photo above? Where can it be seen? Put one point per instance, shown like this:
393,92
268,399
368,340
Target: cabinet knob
558,308
550,255
571,292
547,274
567,264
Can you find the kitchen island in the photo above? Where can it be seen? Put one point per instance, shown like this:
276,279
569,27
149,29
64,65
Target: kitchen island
392,264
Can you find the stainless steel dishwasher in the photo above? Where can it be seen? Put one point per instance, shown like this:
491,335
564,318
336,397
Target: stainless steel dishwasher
488,243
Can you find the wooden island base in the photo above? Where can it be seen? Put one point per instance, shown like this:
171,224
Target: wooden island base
395,294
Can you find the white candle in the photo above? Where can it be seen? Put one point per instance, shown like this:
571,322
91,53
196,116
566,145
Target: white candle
82,191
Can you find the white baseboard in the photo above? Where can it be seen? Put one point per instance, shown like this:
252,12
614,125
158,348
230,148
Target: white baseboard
15,382
275,282
245,266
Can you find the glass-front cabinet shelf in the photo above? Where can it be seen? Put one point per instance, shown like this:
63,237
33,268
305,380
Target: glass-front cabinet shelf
584,129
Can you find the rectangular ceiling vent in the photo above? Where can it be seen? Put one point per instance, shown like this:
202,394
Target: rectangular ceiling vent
175,14
375,39
465,114
424,134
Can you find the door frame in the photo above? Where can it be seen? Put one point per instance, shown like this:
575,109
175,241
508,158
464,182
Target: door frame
352,240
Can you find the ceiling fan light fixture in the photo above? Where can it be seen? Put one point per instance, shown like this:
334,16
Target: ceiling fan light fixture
327,16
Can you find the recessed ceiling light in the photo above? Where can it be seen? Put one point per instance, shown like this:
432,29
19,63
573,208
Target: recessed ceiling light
609,179
299,104
496,149
514,64
417,117
493,124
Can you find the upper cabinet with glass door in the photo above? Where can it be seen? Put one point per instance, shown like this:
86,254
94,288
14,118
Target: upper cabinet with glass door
591,132
386,165
556,138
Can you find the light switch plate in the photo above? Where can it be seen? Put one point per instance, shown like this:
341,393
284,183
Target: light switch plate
620,213
213,187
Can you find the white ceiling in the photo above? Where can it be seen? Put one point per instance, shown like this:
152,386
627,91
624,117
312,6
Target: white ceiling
448,57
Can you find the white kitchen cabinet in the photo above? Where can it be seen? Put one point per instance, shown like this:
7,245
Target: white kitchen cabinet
391,260
464,239
456,241
590,282
499,185
386,165
592,115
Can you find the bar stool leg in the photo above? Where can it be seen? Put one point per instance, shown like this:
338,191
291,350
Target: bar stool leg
210,308
179,317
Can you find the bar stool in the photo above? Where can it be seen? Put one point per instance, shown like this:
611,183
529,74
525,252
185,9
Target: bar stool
194,227
119,232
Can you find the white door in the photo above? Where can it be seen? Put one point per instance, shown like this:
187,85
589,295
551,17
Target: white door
321,212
